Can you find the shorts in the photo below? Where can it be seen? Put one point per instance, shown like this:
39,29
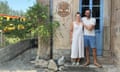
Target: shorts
89,41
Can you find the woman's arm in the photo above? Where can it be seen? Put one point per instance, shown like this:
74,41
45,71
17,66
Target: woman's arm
71,32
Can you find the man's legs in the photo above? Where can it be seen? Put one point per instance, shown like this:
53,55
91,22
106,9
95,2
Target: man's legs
95,58
87,57
86,45
94,55
93,45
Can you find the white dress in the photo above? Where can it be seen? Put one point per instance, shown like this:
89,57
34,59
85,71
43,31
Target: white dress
77,46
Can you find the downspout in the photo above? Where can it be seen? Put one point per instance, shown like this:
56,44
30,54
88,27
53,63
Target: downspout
51,35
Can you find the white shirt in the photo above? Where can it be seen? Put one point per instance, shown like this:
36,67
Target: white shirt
91,21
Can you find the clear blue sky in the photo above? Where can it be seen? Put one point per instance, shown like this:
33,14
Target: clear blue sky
20,4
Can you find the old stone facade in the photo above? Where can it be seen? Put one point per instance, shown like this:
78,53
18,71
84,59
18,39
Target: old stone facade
61,42
111,30
115,31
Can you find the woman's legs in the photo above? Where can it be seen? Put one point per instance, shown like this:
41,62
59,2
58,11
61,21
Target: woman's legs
74,61
78,60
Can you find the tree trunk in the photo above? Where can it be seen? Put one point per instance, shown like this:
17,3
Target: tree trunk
43,49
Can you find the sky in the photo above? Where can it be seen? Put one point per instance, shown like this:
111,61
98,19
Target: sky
20,4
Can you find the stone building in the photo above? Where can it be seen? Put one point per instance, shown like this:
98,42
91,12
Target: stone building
115,31
107,27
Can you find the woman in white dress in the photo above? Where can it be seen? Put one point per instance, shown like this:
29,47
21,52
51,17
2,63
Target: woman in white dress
76,38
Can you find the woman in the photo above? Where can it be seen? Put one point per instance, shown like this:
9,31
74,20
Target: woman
76,38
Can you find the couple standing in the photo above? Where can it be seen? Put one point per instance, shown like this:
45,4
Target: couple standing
82,35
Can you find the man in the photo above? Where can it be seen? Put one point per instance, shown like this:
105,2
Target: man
89,37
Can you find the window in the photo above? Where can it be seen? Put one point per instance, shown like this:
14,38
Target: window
96,2
85,2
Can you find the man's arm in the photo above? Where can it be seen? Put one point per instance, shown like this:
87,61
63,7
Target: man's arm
90,27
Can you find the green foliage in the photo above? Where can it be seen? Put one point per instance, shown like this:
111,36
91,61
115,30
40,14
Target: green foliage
38,19
4,8
37,14
11,29
4,23
37,23
11,36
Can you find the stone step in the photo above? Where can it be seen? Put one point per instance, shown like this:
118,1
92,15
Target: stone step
90,68
81,69
106,58
101,59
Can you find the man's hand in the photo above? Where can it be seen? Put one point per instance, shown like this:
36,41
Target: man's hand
90,27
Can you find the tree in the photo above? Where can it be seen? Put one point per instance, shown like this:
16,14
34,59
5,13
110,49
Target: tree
38,20
5,9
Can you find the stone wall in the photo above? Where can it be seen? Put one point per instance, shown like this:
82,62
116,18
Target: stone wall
12,51
115,31
107,51
106,33
61,38
61,43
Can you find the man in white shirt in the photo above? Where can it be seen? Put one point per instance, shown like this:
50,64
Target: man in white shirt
89,37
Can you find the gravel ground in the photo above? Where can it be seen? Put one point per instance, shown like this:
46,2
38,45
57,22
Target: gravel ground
22,64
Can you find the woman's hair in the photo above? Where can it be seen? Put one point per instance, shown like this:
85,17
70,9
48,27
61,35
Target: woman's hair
77,13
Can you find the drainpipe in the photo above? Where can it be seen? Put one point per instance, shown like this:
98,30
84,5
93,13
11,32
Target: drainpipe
51,36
